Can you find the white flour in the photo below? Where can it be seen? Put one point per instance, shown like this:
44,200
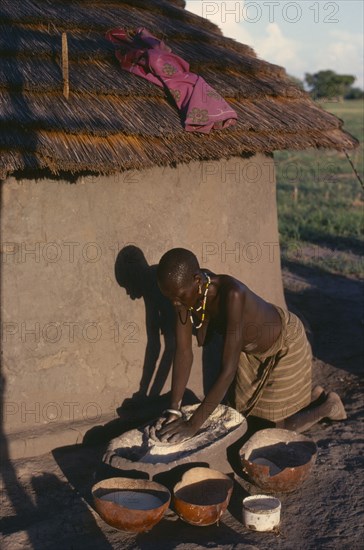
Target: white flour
136,445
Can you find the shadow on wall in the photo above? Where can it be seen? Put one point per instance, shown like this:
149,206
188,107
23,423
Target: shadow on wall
139,279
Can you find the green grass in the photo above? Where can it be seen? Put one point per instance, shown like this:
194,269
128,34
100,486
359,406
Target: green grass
320,200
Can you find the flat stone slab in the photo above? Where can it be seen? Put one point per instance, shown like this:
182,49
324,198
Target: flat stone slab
135,450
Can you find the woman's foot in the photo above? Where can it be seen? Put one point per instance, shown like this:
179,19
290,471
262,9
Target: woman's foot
331,407
316,393
334,406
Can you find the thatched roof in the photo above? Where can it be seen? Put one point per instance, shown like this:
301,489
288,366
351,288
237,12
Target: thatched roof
114,120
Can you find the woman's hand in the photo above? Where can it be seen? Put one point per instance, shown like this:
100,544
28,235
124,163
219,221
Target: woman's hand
176,431
161,421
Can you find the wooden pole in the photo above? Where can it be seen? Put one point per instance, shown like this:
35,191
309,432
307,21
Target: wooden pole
354,169
295,193
65,68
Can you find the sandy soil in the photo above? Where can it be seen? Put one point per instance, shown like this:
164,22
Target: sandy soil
45,501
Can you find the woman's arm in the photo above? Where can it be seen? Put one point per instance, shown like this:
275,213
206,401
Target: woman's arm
181,370
233,343
183,358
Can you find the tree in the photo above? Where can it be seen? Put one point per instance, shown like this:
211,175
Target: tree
355,93
328,84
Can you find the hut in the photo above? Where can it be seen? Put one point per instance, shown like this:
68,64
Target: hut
97,171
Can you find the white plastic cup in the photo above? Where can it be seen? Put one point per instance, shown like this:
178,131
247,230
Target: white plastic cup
261,512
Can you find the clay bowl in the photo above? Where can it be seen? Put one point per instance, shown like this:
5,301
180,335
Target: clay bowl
134,505
202,496
278,461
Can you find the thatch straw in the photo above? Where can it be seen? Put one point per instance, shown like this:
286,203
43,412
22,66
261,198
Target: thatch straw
151,116
116,121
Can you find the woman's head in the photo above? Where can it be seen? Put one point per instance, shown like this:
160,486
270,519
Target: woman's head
179,276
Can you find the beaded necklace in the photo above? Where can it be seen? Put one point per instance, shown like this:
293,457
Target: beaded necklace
203,307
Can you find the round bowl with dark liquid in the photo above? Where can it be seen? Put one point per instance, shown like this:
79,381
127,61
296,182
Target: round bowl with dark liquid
202,496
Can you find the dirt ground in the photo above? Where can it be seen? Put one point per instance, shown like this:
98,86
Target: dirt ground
46,503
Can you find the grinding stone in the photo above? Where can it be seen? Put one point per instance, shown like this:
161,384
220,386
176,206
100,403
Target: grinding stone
134,450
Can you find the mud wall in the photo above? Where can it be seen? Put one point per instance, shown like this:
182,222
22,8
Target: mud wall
74,341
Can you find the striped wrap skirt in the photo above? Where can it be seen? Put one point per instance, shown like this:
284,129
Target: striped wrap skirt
276,384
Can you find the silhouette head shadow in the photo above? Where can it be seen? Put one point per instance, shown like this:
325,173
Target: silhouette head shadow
132,272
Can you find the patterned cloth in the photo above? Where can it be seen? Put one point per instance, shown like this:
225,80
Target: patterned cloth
201,107
276,384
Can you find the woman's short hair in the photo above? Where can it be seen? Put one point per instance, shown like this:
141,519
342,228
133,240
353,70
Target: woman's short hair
177,266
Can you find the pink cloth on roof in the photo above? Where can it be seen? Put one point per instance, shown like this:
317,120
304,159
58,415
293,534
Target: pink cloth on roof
201,106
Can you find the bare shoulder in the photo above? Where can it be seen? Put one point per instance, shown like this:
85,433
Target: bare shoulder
233,294
232,288
236,294
230,293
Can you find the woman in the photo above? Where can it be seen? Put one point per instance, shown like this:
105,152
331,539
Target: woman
266,362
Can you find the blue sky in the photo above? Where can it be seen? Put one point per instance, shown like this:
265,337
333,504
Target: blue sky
304,36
